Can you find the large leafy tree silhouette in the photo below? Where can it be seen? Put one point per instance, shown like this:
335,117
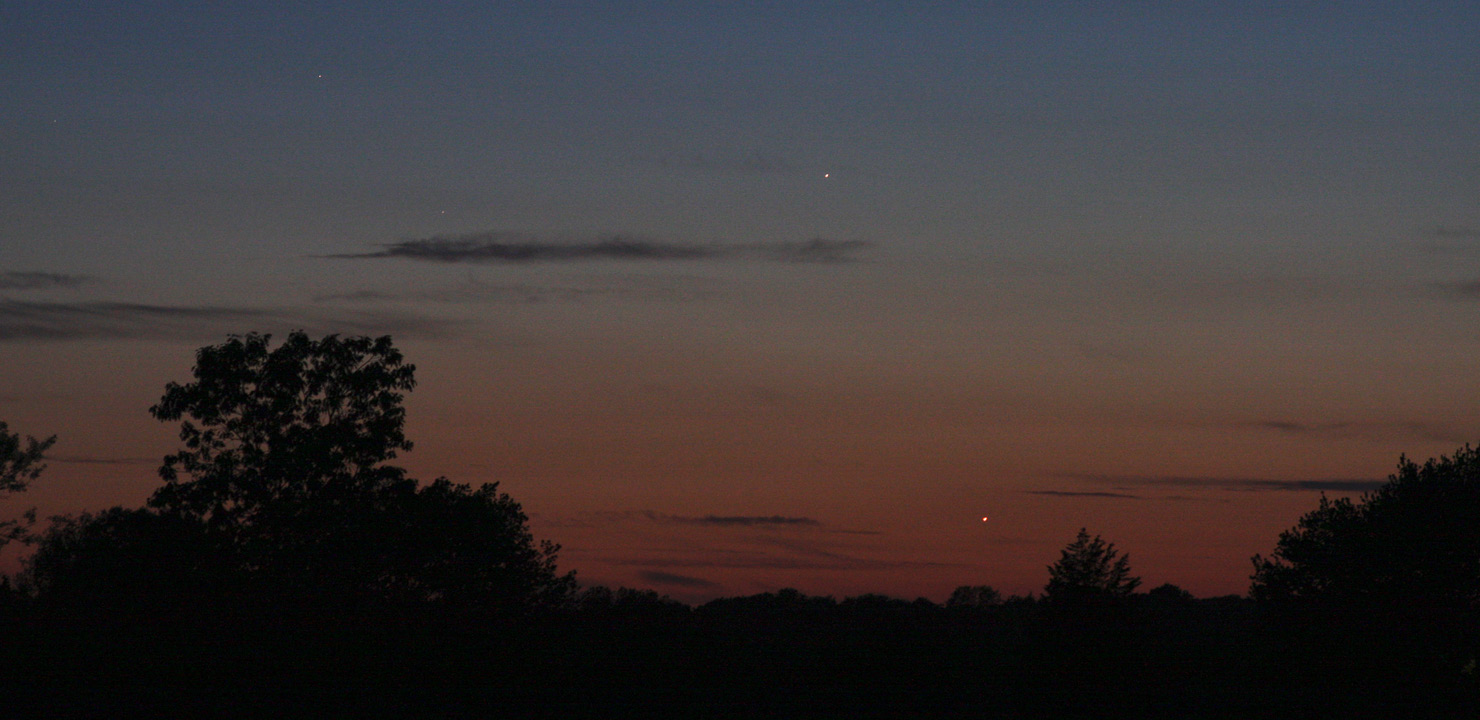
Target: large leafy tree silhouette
286,464
266,430
1415,541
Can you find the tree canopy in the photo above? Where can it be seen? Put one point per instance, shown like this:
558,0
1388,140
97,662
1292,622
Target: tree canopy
127,558
266,429
1413,541
974,597
283,489
1090,570
20,463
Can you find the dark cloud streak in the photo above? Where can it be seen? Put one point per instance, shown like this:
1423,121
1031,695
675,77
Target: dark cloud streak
1348,430
36,321
68,321
41,280
646,289
92,460
731,520
1242,484
1452,239
500,248
496,247
1071,493
773,562
658,577
1461,290
750,520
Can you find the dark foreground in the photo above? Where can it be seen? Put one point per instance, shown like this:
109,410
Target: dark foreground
783,656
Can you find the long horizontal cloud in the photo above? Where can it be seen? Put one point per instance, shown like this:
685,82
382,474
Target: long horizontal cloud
657,577
752,163
1452,239
22,321
1249,484
1461,290
40,280
678,289
1071,493
97,460
779,562
64,321
1347,430
811,550
755,522
726,520
748,520
496,247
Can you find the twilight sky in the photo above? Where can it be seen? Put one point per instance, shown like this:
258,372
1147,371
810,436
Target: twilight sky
741,296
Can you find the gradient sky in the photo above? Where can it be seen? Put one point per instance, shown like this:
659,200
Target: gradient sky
741,296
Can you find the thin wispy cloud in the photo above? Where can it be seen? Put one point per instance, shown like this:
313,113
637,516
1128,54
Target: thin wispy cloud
589,519
512,248
749,520
101,460
1349,430
504,248
779,542
38,321
753,522
41,280
774,561
753,163
725,520
373,296
658,577
816,250
1452,239
1240,484
1469,290
1072,493
98,319
575,291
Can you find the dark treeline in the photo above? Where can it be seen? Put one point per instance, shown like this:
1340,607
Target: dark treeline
286,568
779,654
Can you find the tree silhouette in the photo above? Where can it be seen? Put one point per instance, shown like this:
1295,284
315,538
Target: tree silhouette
123,559
270,429
1090,570
1415,540
1169,593
452,544
974,597
285,464
20,463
